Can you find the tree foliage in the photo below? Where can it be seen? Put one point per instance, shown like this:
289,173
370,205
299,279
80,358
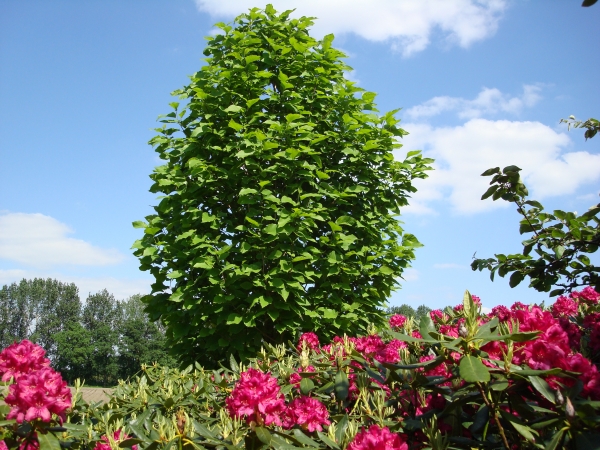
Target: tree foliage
100,342
279,196
562,241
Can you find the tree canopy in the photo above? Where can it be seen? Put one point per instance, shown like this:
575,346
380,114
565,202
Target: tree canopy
279,196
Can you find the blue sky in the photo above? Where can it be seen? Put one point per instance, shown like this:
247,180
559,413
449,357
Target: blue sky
482,83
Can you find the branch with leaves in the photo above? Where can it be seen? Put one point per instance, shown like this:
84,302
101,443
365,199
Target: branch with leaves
562,241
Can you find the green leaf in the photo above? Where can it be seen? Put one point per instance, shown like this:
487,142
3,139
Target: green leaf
304,439
271,229
472,370
492,171
556,440
306,385
48,441
515,279
543,388
233,108
341,385
326,42
236,126
263,435
139,224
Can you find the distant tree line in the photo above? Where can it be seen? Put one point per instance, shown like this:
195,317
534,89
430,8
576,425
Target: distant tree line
409,311
100,340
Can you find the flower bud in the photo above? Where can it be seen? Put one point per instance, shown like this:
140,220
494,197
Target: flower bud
462,331
569,409
559,397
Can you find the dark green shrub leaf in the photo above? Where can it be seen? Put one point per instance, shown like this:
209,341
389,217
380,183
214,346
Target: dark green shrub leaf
472,370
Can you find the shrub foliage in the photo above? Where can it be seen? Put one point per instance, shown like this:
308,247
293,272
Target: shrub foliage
280,193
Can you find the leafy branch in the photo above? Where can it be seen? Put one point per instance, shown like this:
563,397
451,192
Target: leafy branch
562,241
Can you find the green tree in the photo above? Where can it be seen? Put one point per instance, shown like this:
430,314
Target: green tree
141,341
100,318
280,196
36,310
74,353
409,311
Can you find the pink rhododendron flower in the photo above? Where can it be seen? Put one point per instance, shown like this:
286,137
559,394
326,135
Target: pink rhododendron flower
37,395
397,321
564,306
502,313
377,439
3,445
311,340
390,353
587,295
309,413
117,437
438,316
21,358
257,396
449,330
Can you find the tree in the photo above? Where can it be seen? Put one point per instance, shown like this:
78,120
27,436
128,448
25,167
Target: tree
36,310
409,311
141,341
280,196
74,353
100,319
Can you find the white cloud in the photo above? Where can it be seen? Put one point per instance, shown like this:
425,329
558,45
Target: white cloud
463,152
488,101
406,25
121,288
42,241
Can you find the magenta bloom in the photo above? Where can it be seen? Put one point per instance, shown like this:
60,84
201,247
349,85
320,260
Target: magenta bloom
309,413
117,437
397,321
38,394
377,439
311,339
502,313
21,358
564,306
257,396
587,295
3,445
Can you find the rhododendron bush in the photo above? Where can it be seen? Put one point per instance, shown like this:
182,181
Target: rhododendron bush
521,377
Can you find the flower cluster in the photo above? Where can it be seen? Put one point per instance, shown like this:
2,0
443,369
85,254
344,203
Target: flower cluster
258,397
376,438
397,321
38,391
21,358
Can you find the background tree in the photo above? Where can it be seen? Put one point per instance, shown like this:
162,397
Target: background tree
100,318
409,311
280,196
141,341
74,354
36,310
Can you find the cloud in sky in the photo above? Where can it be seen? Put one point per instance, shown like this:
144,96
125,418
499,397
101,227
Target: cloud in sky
488,101
41,241
406,25
463,152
